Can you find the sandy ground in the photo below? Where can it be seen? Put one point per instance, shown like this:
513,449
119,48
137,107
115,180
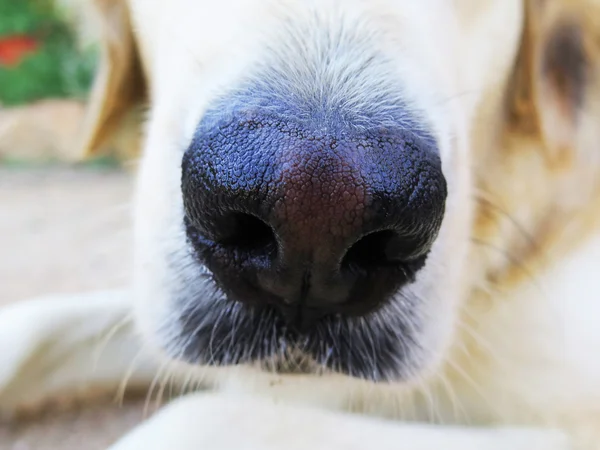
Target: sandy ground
65,230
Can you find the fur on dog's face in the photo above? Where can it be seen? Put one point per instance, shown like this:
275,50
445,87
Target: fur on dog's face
240,91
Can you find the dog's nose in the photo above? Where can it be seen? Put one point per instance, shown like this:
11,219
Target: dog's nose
308,221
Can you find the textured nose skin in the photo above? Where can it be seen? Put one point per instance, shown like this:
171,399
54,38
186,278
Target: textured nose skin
321,199
310,219
317,215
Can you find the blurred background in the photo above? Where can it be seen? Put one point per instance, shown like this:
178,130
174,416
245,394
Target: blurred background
64,223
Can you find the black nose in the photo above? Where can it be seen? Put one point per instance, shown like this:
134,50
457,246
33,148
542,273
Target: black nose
308,221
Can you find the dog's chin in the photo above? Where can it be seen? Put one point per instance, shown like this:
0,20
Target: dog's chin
212,330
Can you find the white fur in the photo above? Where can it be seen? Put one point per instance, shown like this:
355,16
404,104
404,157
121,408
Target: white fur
539,372
419,48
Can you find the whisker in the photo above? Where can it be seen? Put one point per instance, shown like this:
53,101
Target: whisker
160,393
121,389
455,403
425,392
526,235
110,334
511,259
475,386
155,381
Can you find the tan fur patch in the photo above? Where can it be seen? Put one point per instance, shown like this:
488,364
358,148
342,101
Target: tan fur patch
113,118
540,196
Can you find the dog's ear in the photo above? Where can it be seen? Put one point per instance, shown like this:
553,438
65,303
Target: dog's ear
112,122
554,71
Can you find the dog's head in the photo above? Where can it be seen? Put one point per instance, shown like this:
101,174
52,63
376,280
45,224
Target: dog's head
305,196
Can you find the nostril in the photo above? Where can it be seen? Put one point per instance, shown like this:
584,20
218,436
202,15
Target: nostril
383,249
245,232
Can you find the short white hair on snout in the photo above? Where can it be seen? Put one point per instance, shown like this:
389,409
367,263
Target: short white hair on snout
388,64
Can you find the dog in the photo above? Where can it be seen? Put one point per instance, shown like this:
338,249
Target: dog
358,224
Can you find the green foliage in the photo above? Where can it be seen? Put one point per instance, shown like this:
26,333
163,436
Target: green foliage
57,69
24,16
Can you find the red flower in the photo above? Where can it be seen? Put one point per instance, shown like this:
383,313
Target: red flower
14,48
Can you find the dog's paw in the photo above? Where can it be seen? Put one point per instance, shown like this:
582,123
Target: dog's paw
64,346
218,422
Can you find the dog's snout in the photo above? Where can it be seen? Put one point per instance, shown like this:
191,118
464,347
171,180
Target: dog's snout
308,221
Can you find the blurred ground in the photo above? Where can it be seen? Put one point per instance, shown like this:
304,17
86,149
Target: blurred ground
45,130
65,230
